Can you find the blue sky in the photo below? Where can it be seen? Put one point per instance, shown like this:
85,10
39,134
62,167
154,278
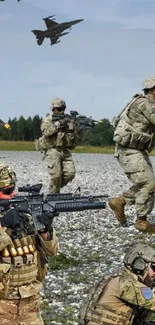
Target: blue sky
96,68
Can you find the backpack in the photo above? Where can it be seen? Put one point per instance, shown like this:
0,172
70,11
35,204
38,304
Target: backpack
116,119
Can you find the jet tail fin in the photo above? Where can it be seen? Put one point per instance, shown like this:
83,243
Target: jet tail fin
39,36
37,32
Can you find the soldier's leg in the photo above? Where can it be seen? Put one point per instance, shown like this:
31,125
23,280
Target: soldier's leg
29,313
144,199
54,158
68,168
138,168
8,312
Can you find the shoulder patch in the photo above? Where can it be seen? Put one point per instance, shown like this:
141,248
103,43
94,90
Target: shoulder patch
146,293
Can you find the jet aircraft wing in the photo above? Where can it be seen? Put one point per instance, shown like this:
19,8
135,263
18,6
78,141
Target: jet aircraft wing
50,22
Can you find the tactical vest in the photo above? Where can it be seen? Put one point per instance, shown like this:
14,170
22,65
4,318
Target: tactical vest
126,136
96,313
19,270
88,306
61,140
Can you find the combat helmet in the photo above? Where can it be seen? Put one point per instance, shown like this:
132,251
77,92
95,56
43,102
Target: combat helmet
148,83
7,177
58,102
139,257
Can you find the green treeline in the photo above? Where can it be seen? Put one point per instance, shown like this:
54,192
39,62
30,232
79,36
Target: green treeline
29,129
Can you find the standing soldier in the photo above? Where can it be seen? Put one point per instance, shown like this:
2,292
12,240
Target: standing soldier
58,138
23,258
126,298
134,136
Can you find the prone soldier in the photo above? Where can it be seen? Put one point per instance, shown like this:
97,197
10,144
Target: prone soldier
126,298
23,258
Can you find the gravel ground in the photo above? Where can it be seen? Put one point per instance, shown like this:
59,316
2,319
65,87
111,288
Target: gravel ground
91,242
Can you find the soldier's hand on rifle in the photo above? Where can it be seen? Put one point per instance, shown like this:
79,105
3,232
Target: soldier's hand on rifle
60,124
47,218
57,124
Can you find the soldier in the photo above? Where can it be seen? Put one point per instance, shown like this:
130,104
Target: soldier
22,259
134,136
59,137
126,298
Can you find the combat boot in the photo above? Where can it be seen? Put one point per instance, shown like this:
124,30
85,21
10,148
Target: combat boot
117,205
143,225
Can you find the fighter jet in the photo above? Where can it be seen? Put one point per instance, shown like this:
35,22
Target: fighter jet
54,30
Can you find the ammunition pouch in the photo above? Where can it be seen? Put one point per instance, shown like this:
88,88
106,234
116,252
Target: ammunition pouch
70,142
126,136
122,134
59,141
41,144
23,270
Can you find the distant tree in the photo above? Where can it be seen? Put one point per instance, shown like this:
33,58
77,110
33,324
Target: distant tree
36,126
29,130
21,128
13,124
100,135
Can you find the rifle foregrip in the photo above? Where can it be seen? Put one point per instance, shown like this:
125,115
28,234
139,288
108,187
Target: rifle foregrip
79,206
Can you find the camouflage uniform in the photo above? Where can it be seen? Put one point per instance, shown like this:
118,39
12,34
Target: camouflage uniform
21,270
56,143
121,299
134,138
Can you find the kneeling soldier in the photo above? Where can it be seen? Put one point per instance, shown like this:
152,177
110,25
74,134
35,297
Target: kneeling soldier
126,298
23,258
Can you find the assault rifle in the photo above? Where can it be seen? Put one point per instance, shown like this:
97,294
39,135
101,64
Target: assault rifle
37,204
82,121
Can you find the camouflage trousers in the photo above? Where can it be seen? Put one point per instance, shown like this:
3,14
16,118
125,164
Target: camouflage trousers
61,168
138,168
20,312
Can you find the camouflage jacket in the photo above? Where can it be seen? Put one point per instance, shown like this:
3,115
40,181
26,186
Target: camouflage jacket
55,136
135,125
124,300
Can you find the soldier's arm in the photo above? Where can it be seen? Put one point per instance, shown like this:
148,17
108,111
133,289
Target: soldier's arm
5,239
49,128
148,110
50,244
137,294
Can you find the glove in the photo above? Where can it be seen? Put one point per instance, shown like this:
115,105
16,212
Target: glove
60,124
47,218
12,219
57,124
